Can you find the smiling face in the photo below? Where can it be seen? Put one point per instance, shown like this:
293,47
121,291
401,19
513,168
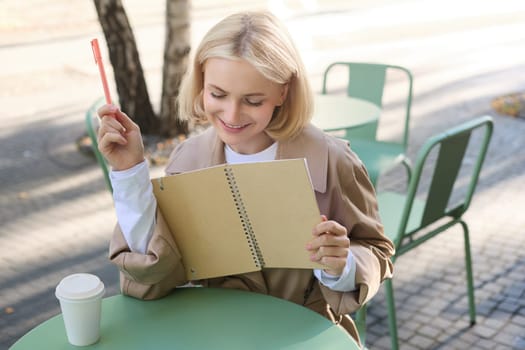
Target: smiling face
239,102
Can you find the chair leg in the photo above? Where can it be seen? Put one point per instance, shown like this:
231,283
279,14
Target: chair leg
360,323
391,306
408,166
470,278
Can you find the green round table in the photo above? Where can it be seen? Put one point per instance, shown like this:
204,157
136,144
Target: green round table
337,112
200,318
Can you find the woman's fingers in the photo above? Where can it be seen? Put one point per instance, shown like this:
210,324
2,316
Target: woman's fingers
329,226
330,246
112,115
331,251
107,110
111,123
329,233
107,138
114,112
125,121
115,126
119,138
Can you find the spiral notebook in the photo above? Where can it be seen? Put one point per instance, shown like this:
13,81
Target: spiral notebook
232,219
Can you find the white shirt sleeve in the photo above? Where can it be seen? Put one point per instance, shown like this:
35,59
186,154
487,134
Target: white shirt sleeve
343,283
135,205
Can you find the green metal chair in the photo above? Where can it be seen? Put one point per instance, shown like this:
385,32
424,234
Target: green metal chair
410,221
91,120
367,81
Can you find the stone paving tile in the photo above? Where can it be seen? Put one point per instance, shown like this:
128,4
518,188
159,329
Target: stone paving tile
421,342
519,320
519,341
429,331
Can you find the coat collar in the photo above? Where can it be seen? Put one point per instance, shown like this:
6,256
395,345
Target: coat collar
196,153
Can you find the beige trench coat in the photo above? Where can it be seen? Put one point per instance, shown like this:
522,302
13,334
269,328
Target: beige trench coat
344,194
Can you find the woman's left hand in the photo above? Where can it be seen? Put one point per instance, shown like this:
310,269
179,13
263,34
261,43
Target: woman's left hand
330,246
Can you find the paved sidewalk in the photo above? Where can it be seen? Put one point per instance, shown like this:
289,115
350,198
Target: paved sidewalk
56,216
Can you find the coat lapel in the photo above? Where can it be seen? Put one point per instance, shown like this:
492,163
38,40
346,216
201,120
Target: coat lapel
310,144
197,152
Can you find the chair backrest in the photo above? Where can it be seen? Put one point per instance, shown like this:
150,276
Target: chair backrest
91,120
367,81
451,148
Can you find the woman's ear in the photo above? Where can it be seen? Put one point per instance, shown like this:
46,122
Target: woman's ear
284,93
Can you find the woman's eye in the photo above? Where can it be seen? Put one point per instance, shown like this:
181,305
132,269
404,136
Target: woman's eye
254,103
216,95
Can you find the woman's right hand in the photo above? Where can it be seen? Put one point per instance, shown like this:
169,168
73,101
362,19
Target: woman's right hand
119,138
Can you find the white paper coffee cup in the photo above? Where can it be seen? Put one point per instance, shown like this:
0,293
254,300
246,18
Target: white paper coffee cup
80,297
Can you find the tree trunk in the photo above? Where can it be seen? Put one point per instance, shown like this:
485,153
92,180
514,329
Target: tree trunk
129,76
176,53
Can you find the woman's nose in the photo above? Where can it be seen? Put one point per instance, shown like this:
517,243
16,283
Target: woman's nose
232,112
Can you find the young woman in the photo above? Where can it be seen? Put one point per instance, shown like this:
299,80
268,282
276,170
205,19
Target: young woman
249,83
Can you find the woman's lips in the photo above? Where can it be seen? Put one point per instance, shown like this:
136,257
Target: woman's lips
233,127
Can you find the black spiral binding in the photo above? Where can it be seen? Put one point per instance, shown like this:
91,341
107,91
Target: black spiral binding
245,220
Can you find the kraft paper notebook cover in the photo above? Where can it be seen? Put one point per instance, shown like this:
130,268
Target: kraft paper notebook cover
239,218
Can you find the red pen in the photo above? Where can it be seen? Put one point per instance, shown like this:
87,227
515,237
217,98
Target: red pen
98,61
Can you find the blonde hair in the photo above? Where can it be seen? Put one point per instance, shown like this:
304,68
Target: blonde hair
262,40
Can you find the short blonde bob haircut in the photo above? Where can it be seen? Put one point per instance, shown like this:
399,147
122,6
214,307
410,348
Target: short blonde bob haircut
263,41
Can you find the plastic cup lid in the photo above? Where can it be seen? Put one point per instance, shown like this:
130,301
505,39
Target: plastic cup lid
79,286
